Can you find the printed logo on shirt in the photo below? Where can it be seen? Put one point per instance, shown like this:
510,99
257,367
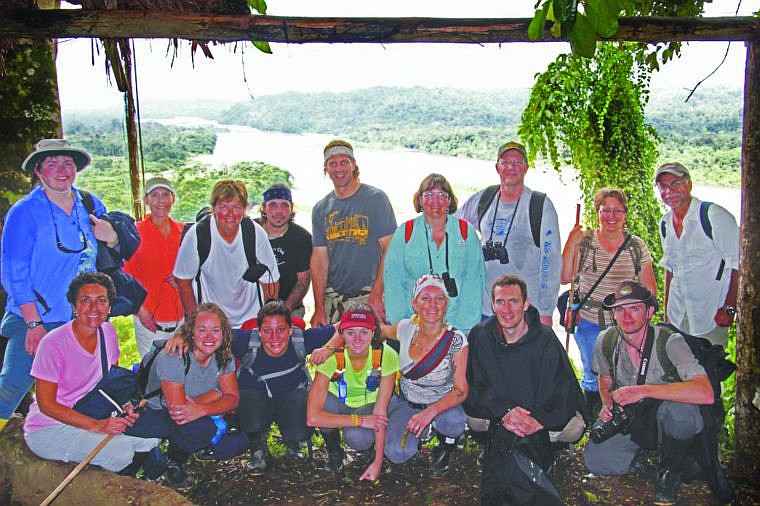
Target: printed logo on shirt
353,228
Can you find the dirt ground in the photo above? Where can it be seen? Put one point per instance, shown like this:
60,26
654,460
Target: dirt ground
307,483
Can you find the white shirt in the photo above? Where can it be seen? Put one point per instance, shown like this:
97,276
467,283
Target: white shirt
694,260
222,273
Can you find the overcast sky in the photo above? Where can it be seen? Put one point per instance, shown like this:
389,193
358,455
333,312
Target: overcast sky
245,72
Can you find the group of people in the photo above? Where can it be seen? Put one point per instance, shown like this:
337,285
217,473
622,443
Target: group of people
454,306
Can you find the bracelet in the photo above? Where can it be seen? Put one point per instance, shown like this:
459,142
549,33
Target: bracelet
355,420
328,347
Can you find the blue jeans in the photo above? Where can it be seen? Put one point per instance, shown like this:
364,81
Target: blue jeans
585,335
15,381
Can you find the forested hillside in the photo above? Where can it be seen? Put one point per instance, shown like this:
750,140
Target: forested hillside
704,134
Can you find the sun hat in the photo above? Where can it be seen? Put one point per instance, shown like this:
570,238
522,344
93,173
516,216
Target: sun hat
510,146
428,280
55,147
628,292
158,182
357,319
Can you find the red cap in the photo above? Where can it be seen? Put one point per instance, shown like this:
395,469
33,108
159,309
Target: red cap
357,319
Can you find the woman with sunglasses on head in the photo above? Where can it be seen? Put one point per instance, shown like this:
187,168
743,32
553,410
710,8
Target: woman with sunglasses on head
433,360
352,389
601,259
48,238
436,242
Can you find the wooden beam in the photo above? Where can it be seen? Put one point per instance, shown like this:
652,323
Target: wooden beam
62,23
747,421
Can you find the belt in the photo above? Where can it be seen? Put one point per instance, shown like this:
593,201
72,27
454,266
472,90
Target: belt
417,406
165,329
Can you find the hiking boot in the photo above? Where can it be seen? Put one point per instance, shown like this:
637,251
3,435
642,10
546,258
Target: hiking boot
175,476
258,461
335,453
666,487
439,465
294,450
207,453
481,458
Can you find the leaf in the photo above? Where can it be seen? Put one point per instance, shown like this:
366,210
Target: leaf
602,19
538,23
262,46
583,38
564,10
259,6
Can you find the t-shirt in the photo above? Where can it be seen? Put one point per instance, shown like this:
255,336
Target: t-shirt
222,273
350,229
438,382
197,381
540,267
593,266
358,395
152,263
293,252
61,359
264,364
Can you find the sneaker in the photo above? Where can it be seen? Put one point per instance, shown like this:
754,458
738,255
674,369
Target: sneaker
258,462
175,476
294,450
439,465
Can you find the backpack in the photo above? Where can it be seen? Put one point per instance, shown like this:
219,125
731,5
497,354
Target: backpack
203,246
146,365
535,210
704,220
409,227
711,357
254,345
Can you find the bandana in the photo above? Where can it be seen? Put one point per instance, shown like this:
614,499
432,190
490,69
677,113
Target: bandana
339,150
278,194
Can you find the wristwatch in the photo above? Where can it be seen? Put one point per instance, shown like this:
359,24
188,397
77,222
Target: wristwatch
34,324
731,310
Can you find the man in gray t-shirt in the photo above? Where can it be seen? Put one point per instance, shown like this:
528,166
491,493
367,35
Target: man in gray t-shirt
352,227
519,230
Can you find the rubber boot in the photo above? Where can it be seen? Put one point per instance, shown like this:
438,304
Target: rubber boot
676,457
482,439
439,465
593,406
335,453
258,446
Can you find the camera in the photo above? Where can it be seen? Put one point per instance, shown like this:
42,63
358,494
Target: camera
495,251
619,424
373,380
450,284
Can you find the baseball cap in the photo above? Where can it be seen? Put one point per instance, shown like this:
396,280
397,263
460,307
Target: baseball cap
357,319
674,168
158,182
509,146
628,292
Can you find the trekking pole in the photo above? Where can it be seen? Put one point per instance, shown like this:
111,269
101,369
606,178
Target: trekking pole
570,324
78,469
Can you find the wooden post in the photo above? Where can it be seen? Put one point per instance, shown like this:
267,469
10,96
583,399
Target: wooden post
129,115
747,422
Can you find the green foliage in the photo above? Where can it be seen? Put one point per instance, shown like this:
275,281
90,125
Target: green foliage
728,395
582,21
125,330
589,113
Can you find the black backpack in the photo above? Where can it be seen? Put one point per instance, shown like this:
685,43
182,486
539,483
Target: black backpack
147,364
535,210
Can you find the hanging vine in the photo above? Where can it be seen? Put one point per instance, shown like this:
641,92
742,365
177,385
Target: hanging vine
588,113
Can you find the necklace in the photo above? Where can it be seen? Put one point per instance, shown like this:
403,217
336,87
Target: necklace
637,348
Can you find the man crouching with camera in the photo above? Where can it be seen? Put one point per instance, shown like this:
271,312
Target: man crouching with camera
640,408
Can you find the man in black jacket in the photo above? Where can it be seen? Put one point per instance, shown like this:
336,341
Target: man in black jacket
522,382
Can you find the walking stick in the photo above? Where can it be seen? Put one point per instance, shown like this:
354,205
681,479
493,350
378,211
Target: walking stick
73,474
570,324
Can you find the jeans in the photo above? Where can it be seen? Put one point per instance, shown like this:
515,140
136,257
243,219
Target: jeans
15,380
357,438
585,335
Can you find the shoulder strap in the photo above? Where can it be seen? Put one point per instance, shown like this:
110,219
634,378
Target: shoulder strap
463,228
203,246
377,357
408,228
87,201
485,200
663,228
103,353
536,215
704,219
585,247
340,364
606,270
298,343
249,240
608,344
662,334
635,249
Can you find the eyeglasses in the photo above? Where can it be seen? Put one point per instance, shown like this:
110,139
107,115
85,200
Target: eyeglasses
674,186
614,212
511,163
440,195
82,237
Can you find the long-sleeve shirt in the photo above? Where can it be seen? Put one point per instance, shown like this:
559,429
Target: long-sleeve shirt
407,261
540,267
32,261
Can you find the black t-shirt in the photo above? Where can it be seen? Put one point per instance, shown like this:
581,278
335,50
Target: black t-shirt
293,252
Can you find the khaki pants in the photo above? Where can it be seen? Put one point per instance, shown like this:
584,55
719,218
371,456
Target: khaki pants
336,303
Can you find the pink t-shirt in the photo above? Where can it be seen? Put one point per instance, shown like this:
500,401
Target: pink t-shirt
61,359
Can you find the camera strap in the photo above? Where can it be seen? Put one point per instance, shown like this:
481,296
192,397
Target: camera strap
645,353
496,212
604,273
430,257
